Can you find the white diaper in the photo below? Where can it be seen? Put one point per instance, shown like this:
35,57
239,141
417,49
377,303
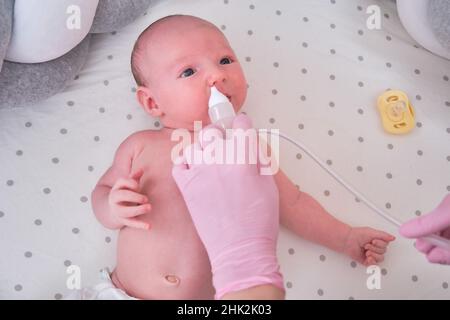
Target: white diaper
104,290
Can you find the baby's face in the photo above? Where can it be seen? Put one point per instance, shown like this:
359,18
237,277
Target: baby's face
181,64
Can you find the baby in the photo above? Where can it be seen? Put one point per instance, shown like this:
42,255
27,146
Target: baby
175,62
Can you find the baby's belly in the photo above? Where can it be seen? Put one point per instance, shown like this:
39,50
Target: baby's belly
166,262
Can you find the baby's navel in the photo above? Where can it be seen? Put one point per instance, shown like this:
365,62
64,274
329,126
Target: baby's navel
172,279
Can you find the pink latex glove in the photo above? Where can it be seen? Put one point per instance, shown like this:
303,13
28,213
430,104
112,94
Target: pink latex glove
437,221
236,213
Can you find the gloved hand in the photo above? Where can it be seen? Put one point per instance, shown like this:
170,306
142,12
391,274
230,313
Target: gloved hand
236,213
437,221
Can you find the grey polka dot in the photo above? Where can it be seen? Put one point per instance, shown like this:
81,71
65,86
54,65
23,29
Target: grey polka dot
248,59
101,110
326,193
360,32
299,156
223,27
96,138
361,84
332,26
303,98
133,89
252,6
304,71
359,8
272,120
390,146
448,130
277,38
419,124
276,64
83,199
448,188
353,264
291,251
416,71
351,298
332,77
320,292
47,190
28,124
322,257
360,111
249,32
360,139
388,205
419,182
38,222
278,12
157,124
106,82
360,58
63,131
67,263
447,103
357,200
384,271
9,183
75,230
70,103
359,168
107,239
2,214
332,51
114,32
388,38
414,278
58,296
18,287
274,91
329,162
301,127
445,285
333,1
129,116
305,45
55,160
418,97
28,254
386,16
19,152
91,168
331,104
389,175
110,57
76,77
330,133
388,64
289,285
418,213
305,19
445,78
448,158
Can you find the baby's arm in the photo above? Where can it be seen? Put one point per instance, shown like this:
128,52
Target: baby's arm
110,212
302,214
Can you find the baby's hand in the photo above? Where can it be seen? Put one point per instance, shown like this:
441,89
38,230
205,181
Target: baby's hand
367,245
126,202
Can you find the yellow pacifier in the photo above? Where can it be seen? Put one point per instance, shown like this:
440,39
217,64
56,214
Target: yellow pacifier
396,111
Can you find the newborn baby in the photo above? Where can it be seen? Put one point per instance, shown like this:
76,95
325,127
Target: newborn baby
175,62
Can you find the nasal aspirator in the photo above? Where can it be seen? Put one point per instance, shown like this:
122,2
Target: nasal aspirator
221,112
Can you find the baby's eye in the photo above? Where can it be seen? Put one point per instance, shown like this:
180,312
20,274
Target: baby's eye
226,61
187,73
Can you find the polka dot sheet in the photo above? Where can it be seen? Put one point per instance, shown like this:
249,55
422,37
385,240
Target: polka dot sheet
314,71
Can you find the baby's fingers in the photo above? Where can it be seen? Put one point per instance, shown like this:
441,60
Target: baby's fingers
377,257
123,196
133,211
126,184
371,247
135,223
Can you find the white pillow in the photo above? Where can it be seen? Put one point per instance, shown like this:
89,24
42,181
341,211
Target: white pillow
47,29
413,15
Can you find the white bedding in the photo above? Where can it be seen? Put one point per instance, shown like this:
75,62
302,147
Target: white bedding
53,153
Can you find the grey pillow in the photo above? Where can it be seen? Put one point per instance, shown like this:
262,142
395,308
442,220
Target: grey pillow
112,15
27,83
6,16
439,17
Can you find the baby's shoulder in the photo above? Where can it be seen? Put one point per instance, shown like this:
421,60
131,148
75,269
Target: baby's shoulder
137,141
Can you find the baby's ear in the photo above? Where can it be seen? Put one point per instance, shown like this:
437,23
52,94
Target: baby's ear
147,102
